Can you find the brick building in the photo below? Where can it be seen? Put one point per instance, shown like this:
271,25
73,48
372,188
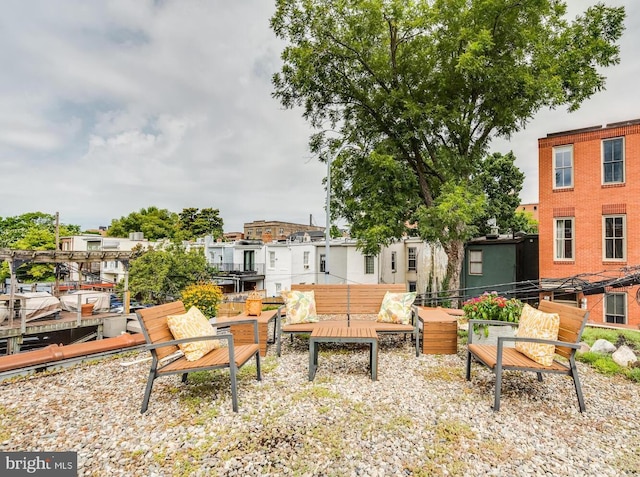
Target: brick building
589,225
275,230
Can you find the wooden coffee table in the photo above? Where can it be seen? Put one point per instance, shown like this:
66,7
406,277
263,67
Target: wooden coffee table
343,334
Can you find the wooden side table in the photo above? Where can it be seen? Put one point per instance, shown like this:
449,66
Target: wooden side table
343,334
243,334
439,331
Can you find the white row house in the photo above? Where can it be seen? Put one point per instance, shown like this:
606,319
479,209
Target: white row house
111,271
275,266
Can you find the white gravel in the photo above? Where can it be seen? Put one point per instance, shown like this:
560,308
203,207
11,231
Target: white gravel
420,418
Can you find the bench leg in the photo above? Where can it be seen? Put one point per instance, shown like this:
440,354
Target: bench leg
498,390
234,388
147,392
468,370
576,383
373,360
313,358
258,370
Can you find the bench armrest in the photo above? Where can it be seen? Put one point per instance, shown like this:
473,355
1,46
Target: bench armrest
515,339
224,336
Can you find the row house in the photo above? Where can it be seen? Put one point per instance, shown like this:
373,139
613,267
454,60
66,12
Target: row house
589,228
274,266
108,272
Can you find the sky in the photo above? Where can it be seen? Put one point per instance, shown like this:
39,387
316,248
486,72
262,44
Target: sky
108,107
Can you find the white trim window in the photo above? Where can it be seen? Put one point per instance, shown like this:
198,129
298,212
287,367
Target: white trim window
565,239
412,254
305,260
615,308
369,265
272,259
613,161
475,262
394,256
614,237
563,167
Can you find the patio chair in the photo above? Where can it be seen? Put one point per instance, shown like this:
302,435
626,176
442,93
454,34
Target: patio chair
162,345
499,358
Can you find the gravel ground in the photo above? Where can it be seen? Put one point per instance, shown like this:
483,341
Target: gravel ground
420,418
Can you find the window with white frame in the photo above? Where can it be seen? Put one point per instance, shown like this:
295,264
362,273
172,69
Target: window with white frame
614,237
322,263
563,167
305,260
413,286
272,259
613,161
394,262
615,308
411,259
475,262
564,233
278,288
368,264
93,245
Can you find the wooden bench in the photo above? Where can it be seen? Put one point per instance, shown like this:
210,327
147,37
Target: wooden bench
162,345
351,302
499,357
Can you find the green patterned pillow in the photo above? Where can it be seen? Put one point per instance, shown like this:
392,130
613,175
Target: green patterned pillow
301,306
537,324
189,325
396,308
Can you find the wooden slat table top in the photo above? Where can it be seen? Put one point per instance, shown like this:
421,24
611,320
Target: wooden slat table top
344,332
264,317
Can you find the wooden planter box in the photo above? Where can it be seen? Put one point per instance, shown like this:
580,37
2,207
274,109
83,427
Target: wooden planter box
439,332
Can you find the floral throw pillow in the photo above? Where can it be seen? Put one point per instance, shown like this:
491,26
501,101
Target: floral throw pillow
396,308
189,325
301,306
537,324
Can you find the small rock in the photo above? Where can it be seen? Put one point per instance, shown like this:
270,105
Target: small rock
624,356
603,346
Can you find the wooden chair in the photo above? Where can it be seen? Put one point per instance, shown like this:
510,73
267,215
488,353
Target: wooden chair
162,345
499,358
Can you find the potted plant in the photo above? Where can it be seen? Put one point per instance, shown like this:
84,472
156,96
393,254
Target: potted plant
491,306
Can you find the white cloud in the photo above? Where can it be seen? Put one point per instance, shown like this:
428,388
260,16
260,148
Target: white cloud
112,106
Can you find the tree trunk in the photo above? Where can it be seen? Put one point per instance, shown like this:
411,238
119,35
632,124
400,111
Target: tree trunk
455,256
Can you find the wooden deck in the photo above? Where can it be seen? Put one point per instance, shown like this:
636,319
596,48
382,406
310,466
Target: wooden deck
14,332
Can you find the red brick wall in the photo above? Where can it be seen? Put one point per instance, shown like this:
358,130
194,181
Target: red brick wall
589,200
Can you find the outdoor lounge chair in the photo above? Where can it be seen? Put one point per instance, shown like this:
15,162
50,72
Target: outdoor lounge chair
499,358
161,344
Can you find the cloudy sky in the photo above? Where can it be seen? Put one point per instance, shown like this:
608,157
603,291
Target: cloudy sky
108,107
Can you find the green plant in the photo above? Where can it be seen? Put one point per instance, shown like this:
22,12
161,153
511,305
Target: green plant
491,306
205,296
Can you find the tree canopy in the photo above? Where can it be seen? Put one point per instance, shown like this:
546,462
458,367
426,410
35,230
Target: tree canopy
422,86
158,224
153,222
161,274
501,182
32,231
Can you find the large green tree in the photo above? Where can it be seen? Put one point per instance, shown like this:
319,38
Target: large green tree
501,182
194,223
422,86
153,222
32,231
161,274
